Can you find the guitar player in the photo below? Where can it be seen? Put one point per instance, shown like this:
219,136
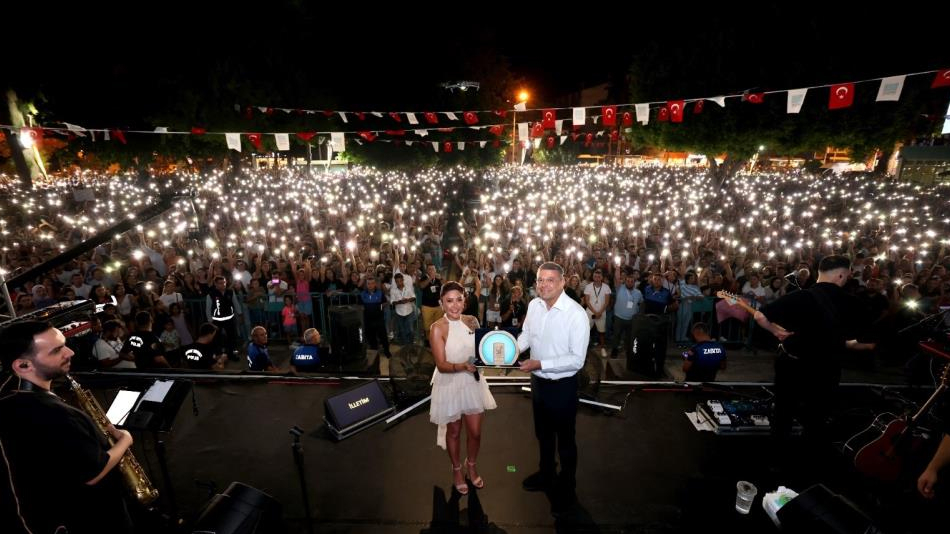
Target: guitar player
941,459
814,327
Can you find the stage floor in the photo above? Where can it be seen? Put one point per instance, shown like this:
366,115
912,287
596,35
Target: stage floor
644,469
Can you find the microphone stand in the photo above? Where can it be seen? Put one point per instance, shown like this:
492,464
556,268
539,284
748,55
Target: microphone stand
296,431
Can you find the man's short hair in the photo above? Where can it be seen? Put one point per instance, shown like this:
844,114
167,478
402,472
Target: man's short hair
216,278
18,341
207,329
110,325
309,334
397,276
835,261
551,266
143,319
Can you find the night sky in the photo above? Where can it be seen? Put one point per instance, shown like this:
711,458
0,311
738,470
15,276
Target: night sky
121,66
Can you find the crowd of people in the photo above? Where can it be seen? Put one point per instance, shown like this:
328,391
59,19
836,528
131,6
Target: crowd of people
570,258
275,249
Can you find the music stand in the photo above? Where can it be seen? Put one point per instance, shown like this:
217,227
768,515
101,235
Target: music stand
155,413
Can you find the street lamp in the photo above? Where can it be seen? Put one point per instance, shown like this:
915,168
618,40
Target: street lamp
522,99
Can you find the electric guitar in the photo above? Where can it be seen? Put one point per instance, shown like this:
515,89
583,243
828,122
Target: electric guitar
735,300
883,458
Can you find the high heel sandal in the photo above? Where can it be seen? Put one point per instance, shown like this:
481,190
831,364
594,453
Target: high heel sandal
478,481
463,487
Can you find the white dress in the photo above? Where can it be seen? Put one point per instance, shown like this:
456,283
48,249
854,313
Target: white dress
454,394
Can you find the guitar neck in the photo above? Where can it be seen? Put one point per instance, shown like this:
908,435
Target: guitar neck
736,300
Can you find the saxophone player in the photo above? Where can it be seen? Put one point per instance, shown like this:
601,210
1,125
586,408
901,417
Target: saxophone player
57,470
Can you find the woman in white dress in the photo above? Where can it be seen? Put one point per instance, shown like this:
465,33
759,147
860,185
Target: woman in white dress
457,396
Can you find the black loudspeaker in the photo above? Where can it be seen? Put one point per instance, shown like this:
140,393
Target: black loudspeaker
356,409
346,333
646,330
410,371
241,509
819,511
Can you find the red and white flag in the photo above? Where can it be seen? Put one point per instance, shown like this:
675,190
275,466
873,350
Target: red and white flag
255,139
841,96
676,110
609,115
942,79
547,119
470,118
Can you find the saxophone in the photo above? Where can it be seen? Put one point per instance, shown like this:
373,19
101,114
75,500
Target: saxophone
136,481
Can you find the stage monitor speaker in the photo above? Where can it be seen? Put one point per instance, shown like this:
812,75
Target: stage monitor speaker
819,511
356,409
241,509
346,333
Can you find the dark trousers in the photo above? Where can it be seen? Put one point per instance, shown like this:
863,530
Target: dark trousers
623,332
555,411
227,336
376,333
806,393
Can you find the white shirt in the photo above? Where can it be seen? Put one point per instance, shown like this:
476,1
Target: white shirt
597,296
106,350
406,292
557,337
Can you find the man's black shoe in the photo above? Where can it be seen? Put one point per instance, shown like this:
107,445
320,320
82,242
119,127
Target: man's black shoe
538,482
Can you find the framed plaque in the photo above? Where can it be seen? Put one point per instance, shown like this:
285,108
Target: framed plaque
497,348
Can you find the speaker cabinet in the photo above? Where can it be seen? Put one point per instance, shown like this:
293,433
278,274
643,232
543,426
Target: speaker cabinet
356,409
346,333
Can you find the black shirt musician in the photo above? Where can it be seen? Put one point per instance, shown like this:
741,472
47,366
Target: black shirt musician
814,327
60,472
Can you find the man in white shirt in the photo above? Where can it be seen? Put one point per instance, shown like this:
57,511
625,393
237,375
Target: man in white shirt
596,298
557,331
403,298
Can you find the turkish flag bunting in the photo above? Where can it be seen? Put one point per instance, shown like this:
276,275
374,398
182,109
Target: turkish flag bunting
446,146
588,139
446,130
395,132
269,111
663,115
195,130
496,129
841,96
36,134
395,116
627,118
306,136
537,130
470,117
549,141
298,112
698,107
369,136
328,113
942,79
547,119
120,135
574,136
608,115
753,98
255,139
360,115
501,113
431,118
676,110
249,112
496,143
614,135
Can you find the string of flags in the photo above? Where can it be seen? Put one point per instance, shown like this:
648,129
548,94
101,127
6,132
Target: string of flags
840,96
